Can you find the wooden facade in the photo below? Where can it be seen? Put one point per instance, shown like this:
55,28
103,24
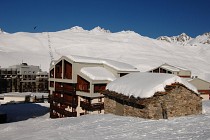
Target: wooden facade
67,70
63,101
58,70
83,85
99,87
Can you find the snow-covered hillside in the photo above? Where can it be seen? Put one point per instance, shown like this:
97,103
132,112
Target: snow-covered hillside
95,127
126,46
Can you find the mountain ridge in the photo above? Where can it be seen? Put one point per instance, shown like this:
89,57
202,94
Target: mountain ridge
184,39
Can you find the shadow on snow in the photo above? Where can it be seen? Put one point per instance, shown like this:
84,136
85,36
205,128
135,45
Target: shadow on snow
24,111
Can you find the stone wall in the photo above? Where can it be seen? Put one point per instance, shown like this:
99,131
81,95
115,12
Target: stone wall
176,101
109,106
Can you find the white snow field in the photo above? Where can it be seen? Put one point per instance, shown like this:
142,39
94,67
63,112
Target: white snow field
125,46
95,127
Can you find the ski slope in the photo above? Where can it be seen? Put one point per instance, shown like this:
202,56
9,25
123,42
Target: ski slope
126,46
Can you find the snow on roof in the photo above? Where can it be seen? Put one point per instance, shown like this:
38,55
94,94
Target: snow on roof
172,68
120,66
84,59
98,73
145,85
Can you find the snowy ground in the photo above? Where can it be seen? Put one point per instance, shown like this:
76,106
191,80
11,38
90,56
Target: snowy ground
108,127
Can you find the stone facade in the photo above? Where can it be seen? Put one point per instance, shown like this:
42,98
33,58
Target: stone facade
176,101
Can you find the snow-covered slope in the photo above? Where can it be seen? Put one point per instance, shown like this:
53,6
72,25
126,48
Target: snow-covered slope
125,46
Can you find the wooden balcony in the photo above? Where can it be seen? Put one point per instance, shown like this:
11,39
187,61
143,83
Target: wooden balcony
91,107
69,92
62,111
64,101
65,88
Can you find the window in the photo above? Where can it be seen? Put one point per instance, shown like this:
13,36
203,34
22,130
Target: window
99,87
123,74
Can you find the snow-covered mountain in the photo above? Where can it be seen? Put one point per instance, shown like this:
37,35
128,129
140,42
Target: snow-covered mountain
125,46
203,39
184,39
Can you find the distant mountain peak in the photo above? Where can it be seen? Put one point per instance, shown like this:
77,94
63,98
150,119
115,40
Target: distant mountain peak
76,29
100,30
207,34
182,39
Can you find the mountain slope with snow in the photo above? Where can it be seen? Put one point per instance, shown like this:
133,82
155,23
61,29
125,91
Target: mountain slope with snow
125,46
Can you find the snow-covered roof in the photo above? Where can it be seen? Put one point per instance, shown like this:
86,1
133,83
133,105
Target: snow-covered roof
83,59
172,68
145,85
98,73
120,66
190,80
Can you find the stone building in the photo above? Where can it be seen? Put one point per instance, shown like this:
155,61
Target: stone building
151,96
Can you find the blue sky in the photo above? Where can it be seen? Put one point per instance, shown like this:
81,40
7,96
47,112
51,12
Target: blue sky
150,18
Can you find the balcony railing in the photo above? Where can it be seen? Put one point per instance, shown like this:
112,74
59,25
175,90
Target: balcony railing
91,107
65,90
62,111
64,101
